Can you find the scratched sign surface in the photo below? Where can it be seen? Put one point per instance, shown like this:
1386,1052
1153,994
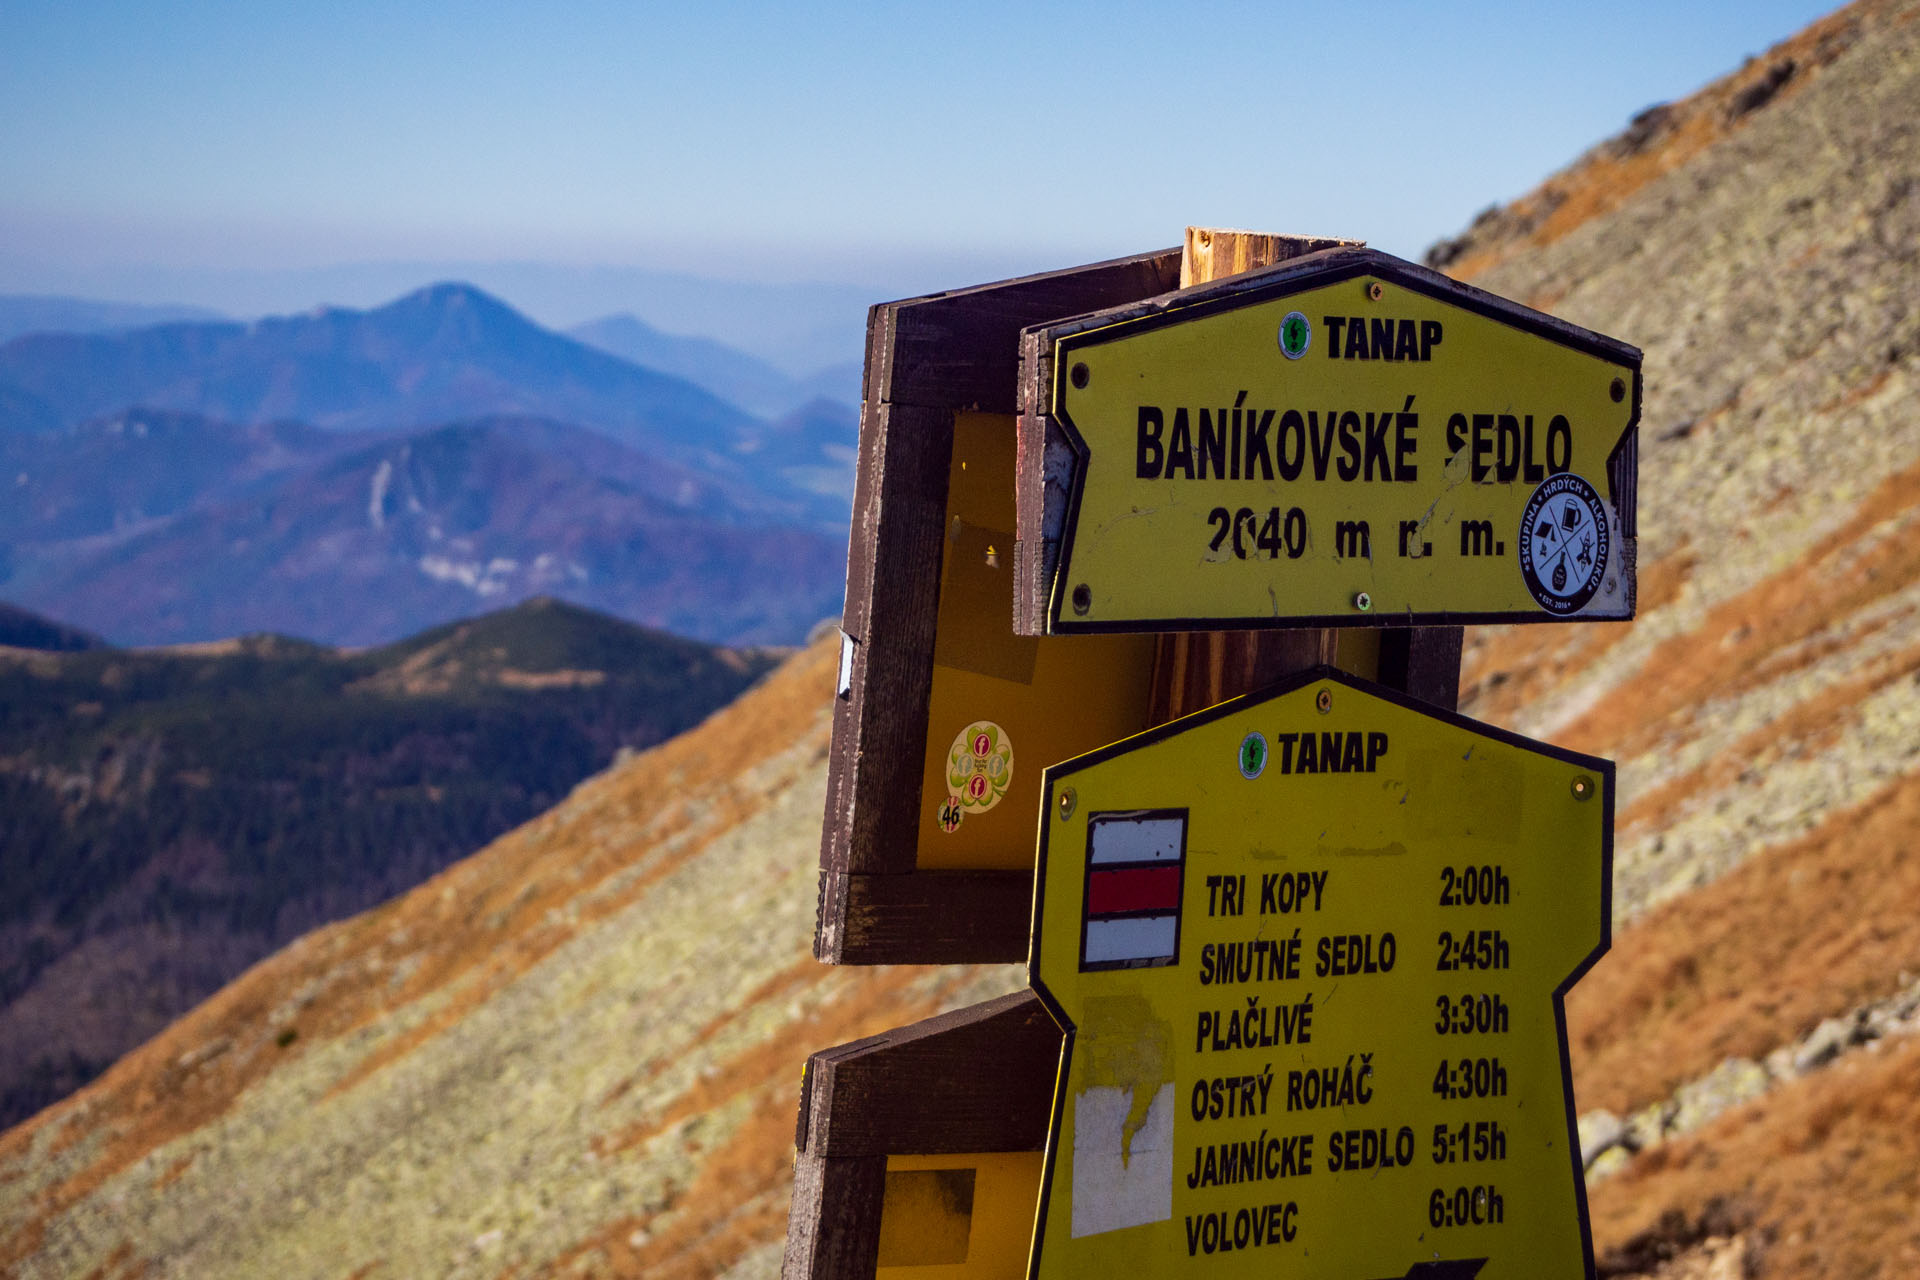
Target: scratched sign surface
1382,447
1311,947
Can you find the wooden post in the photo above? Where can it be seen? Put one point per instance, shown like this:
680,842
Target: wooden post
978,1080
1193,670
1196,669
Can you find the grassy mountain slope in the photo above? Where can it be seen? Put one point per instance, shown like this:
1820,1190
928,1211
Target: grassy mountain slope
574,1053
174,815
1761,240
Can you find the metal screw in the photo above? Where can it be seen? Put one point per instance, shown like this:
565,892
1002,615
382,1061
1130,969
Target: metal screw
1082,598
1324,700
1067,800
1582,787
1618,390
1374,291
1080,376
1363,602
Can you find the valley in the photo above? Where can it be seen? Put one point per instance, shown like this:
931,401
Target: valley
175,814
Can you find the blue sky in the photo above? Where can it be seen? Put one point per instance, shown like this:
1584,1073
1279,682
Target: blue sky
150,147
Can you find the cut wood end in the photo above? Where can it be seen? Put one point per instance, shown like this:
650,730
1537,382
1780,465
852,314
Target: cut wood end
1214,253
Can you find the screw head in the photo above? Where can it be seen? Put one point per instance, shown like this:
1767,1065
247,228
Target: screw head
1324,701
1363,602
1375,291
1618,390
1583,787
1068,799
1082,598
1080,375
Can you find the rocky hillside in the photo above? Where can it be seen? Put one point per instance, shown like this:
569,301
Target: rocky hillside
1761,240
577,1052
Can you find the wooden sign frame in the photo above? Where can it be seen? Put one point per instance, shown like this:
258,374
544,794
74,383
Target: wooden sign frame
928,359
981,1080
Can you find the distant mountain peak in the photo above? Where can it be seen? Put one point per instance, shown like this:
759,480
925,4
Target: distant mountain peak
449,294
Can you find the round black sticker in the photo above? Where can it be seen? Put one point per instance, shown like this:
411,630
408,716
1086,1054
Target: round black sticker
1563,543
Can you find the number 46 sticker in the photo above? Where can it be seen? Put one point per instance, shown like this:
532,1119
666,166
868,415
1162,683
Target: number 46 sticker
979,771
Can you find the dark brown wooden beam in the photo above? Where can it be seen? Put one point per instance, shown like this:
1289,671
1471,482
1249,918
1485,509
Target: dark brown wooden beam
1423,662
931,917
833,1229
977,1079
927,359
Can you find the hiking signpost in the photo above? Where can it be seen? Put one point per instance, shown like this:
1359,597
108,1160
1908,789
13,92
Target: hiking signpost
1310,945
1150,658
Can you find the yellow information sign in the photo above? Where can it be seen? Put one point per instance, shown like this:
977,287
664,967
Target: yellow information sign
1363,443
1310,948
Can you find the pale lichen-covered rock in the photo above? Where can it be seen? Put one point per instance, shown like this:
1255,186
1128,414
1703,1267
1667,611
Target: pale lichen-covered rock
1733,1081
1600,1132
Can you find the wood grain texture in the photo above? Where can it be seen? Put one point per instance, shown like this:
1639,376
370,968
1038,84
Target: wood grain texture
961,350
977,1079
833,1229
1423,662
930,917
893,599
1214,253
1193,670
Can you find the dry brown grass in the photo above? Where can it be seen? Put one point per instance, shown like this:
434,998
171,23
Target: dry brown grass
1827,1169
1744,641
1755,959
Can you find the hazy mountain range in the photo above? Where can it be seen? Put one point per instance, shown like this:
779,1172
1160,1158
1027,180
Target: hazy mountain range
352,476
732,374
797,326
47,313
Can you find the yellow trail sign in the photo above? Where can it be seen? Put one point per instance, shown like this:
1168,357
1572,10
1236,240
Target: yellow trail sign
1309,948
1344,440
